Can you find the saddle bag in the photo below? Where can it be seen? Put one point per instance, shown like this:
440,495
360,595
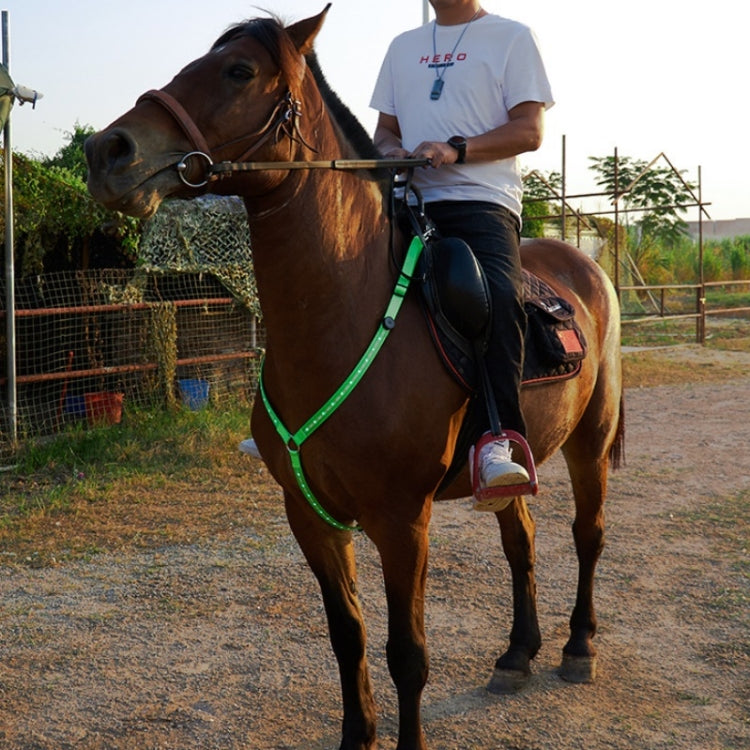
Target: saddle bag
552,333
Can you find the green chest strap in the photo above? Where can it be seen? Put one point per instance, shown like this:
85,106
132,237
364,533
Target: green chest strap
294,441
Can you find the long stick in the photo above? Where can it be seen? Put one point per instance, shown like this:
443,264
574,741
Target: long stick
260,166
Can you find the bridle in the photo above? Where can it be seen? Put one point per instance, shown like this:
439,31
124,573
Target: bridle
283,121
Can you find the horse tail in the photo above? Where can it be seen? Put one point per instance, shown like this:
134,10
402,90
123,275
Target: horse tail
617,449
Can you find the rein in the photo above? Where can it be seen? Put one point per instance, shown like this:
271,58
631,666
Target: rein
294,441
226,167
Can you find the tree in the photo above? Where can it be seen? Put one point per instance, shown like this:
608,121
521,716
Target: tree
71,156
538,190
660,194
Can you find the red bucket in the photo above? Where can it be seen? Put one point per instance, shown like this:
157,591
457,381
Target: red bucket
103,407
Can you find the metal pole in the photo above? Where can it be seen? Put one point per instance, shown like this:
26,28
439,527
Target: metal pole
617,228
10,282
425,11
563,198
702,280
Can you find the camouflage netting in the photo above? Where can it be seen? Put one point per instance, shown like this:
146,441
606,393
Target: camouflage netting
204,235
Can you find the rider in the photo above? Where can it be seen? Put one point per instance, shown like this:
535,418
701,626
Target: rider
468,92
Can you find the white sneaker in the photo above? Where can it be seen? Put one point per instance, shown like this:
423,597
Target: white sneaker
497,468
250,447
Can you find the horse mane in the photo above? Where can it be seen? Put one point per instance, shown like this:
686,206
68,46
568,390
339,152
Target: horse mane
344,117
271,34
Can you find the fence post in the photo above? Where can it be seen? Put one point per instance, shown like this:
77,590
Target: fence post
701,332
10,277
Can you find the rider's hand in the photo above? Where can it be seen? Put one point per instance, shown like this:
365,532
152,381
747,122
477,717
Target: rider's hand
436,152
397,153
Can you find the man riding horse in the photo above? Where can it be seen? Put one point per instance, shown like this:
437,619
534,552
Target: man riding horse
468,93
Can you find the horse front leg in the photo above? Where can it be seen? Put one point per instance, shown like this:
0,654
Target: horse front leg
330,555
589,480
517,530
403,552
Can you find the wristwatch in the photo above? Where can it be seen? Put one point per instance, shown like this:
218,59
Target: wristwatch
459,143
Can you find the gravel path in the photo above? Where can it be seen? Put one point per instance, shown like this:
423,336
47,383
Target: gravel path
223,645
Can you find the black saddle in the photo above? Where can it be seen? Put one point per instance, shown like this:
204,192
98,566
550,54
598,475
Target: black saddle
458,304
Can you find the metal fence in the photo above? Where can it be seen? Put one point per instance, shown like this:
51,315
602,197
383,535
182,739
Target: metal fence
92,344
644,304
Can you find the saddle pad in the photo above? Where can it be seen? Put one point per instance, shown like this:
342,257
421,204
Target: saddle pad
554,343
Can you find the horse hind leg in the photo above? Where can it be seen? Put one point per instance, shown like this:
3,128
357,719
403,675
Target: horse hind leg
513,668
330,555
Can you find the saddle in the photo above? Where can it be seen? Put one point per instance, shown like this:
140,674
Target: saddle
457,306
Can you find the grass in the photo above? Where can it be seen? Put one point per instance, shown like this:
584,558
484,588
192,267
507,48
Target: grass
722,333
167,477
157,478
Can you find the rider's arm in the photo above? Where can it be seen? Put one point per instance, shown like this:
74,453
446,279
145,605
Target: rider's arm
523,132
387,137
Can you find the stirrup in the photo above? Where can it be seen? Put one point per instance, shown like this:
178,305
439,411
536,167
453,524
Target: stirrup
484,494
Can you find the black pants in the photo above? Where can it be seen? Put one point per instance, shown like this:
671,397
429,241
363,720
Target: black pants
493,233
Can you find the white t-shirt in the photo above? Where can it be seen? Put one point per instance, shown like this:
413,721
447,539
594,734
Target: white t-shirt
495,66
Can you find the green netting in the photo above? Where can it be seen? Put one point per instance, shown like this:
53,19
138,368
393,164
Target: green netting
209,234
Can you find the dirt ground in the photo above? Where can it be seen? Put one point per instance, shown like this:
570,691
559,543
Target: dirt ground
221,644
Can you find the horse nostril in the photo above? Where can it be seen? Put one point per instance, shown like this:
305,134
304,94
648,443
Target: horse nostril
113,149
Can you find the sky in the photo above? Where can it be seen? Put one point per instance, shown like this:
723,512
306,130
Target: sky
644,77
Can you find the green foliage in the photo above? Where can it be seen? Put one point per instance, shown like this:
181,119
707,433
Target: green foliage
533,226
71,156
538,186
158,441
538,189
737,250
50,203
679,262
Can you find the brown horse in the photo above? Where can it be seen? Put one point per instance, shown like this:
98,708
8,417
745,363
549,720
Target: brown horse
323,247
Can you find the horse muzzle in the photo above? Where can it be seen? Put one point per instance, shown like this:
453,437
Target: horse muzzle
123,178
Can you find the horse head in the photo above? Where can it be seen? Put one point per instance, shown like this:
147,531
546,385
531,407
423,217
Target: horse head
243,98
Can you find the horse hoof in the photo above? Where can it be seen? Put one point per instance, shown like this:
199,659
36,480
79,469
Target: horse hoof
504,681
580,669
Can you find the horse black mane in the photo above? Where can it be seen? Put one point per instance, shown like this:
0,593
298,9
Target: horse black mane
268,32
344,117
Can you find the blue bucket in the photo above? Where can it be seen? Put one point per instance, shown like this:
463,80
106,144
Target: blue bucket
75,406
194,393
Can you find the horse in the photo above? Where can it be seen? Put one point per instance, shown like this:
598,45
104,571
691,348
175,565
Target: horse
323,245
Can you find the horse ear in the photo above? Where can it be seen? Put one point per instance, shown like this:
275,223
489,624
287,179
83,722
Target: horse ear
303,33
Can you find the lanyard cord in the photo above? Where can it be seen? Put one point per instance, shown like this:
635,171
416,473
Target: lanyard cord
294,441
439,74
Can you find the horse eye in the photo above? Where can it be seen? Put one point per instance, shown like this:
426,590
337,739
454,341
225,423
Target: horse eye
241,72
